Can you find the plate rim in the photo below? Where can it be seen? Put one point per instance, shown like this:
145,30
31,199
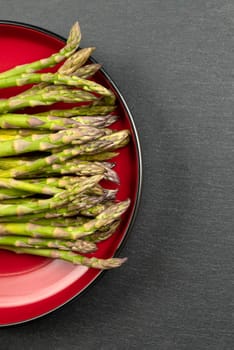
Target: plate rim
140,172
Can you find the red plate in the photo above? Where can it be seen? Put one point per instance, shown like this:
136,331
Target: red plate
31,286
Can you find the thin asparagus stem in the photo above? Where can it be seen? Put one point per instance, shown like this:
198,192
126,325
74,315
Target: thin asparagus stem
102,264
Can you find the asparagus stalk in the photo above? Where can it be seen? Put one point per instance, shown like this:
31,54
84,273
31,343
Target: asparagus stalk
108,216
80,111
8,193
59,221
95,157
57,79
60,182
102,264
83,168
97,121
27,242
59,213
46,98
24,121
13,162
6,137
87,71
24,186
47,141
70,65
75,61
14,120
20,132
105,143
95,210
103,234
70,47
58,200
71,209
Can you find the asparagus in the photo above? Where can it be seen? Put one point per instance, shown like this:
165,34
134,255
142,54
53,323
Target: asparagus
7,137
102,264
83,168
108,216
70,47
96,157
105,143
103,234
7,193
60,213
57,79
45,98
24,186
24,121
20,132
14,120
80,111
47,141
13,162
75,61
58,200
26,242
59,221
106,100
59,216
60,182
69,67
108,142
95,194
97,121
41,220
95,210
66,182
71,209
87,71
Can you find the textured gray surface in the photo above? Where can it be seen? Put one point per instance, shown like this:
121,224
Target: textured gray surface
173,62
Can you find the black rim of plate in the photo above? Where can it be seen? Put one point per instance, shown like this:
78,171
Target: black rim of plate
139,155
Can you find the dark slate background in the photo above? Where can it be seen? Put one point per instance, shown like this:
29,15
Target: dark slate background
173,61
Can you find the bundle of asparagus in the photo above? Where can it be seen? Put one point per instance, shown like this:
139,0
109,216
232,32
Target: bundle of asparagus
52,163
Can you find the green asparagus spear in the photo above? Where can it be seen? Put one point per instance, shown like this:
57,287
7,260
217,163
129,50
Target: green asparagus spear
31,167
108,216
104,234
80,111
96,157
20,132
46,98
83,168
70,47
57,79
25,186
105,143
14,120
24,121
59,213
87,71
75,61
13,162
27,242
102,264
48,141
8,193
56,201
